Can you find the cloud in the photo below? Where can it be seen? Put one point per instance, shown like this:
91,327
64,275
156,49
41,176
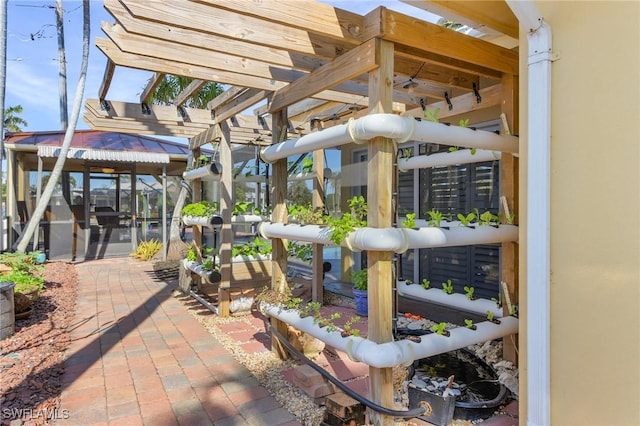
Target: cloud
30,86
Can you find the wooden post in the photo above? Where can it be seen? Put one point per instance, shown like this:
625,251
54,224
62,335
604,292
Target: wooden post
509,170
279,214
317,290
379,198
226,208
346,192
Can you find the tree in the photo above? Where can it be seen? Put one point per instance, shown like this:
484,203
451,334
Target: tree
23,241
171,86
165,93
299,193
447,23
12,122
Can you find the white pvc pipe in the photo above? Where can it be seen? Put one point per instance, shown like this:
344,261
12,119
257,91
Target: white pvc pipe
210,171
455,300
538,225
396,127
326,138
400,240
403,352
291,231
461,156
310,175
198,269
428,131
392,126
397,240
460,236
214,221
250,178
246,218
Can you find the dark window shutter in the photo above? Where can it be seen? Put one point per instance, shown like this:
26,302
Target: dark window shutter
460,189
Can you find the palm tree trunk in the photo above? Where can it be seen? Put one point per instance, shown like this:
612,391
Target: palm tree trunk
62,60
3,80
34,220
176,248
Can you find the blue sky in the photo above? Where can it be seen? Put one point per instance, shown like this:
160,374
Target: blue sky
32,57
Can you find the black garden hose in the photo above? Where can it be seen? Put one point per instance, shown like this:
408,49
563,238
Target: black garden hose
370,404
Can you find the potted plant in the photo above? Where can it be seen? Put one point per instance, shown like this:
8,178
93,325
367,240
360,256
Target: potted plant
360,294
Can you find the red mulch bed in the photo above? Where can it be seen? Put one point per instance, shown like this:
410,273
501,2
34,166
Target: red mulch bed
32,360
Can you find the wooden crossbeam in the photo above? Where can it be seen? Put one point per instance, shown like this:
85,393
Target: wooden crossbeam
318,18
240,103
106,79
170,66
194,37
124,126
226,96
410,34
491,97
150,88
434,73
176,35
350,65
232,25
156,112
188,92
494,14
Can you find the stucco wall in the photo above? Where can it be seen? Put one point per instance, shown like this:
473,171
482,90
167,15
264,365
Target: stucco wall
595,200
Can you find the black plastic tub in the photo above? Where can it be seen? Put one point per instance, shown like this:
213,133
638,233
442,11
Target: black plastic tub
480,391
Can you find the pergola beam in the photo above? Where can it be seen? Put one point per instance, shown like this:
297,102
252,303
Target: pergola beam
150,88
352,64
318,18
106,79
157,112
418,36
493,14
491,97
240,103
171,66
188,92
179,39
225,97
251,29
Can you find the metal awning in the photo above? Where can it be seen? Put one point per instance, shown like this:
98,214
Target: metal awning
105,155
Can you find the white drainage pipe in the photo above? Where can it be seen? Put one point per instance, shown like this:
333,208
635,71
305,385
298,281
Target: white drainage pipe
397,240
212,277
396,127
291,231
455,300
461,156
308,176
246,218
403,352
327,138
214,221
210,171
460,236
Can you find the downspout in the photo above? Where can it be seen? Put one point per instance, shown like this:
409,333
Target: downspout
540,58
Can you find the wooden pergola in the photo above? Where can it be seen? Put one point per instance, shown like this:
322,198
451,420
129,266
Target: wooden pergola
303,65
